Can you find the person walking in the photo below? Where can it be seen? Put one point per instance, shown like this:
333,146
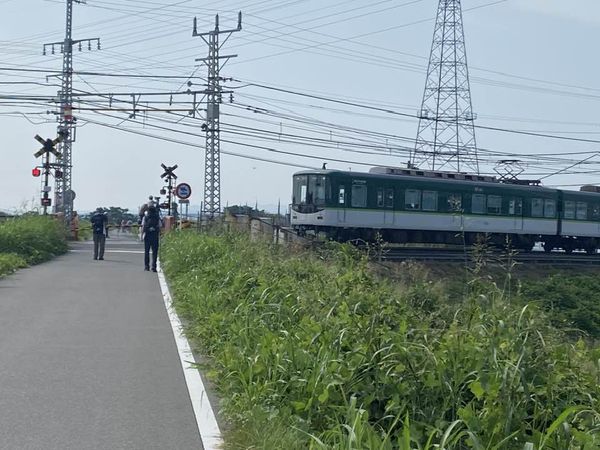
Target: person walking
99,222
151,224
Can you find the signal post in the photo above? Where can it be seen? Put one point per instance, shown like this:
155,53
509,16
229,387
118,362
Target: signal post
48,147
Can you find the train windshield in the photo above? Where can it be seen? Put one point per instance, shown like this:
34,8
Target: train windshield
312,190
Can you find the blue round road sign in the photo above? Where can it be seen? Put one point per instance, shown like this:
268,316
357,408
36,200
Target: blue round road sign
183,191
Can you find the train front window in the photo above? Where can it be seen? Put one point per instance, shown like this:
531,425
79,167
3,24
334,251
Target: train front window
310,190
300,189
317,189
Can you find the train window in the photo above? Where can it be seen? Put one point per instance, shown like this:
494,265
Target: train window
454,202
380,198
342,196
569,210
515,207
537,207
494,204
317,189
300,189
549,208
389,198
412,199
478,204
596,211
430,200
582,211
359,196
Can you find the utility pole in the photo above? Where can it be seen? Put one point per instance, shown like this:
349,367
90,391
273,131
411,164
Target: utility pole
64,195
446,135
212,172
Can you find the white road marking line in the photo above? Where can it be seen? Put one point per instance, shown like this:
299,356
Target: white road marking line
205,416
141,252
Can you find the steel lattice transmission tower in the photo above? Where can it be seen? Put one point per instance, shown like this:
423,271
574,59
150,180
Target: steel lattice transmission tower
446,135
214,92
63,194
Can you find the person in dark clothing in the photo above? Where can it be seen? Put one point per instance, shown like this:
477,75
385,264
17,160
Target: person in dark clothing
99,222
151,225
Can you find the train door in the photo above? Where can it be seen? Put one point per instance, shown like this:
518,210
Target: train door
515,210
388,212
341,209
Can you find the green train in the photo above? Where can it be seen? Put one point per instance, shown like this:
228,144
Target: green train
418,206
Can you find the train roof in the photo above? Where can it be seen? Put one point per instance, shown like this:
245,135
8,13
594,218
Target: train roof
464,179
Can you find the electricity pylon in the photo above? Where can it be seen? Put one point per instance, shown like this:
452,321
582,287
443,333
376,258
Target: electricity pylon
446,135
212,172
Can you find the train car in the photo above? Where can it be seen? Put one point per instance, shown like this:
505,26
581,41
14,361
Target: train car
417,206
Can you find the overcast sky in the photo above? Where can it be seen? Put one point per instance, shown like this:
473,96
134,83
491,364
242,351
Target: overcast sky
533,68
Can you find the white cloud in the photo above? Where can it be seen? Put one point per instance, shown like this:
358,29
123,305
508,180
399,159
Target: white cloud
575,10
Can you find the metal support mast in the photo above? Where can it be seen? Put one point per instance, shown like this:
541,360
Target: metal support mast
446,135
212,172
64,195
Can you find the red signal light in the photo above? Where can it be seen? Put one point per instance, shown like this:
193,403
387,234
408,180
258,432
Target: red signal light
36,172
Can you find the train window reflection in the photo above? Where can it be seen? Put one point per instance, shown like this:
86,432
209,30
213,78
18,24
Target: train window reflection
494,204
454,202
537,207
569,210
380,198
549,208
389,198
581,211
515,207
430,200
412,199
478,204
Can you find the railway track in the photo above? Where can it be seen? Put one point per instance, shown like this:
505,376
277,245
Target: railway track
458,256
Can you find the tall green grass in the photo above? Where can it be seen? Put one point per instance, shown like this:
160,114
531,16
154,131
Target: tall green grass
313,351
29,239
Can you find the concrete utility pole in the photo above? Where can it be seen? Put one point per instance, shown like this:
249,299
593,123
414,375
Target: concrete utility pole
212,172
64,195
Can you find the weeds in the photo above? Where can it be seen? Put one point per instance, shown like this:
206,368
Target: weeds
311,350
29,239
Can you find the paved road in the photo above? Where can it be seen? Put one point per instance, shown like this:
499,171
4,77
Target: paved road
88,359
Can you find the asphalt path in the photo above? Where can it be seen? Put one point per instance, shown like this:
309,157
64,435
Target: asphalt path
88,359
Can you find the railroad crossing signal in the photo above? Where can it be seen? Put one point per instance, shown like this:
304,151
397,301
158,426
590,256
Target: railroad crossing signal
169,176
47,146
169,171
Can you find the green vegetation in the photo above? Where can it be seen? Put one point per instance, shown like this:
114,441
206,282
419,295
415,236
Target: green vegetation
29,239
312,350
573,300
